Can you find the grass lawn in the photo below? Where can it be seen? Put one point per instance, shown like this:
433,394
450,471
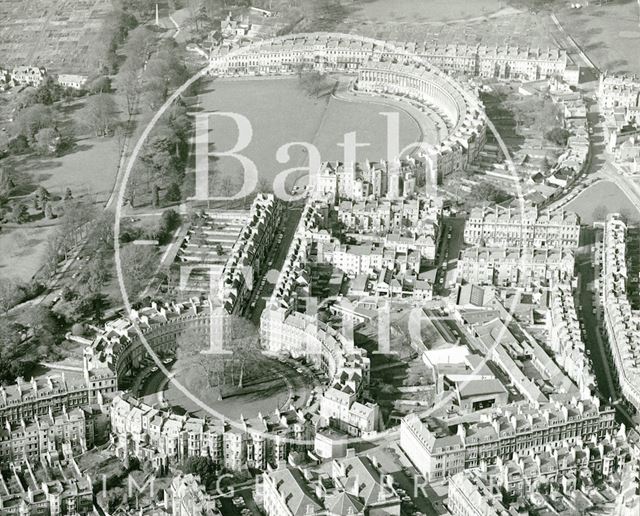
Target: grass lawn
89,169
413,11
23,251
608,34
269,390
603,197
279,113
489,22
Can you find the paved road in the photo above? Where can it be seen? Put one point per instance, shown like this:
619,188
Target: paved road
448,252
288,227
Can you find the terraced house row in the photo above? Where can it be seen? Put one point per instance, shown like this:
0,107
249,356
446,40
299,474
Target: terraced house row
393,180
404,74
161,436
621,321
506,62
568,466
515,266
465,120
285,326
590,477
522,226
25,401
248,257
68,432
565,338
439,448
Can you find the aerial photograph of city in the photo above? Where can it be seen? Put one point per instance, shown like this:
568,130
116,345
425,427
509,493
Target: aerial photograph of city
319,257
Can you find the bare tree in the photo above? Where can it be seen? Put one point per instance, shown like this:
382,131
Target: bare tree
226,186
241,337
190,348
264,185
101,114
10,294
128,83
138,264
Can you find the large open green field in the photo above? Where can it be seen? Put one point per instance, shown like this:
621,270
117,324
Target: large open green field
89,169
489,22
602,198
23,251
608,34
400,11
280,112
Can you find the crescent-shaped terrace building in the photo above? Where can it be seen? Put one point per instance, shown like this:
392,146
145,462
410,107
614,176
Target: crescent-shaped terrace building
381,68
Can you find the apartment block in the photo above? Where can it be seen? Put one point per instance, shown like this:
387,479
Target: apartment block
515,267
622,323
189,497
439,449
353,485
160,436
516,226
565,338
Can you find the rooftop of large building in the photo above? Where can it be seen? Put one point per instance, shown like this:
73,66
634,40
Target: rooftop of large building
515,214
502,422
